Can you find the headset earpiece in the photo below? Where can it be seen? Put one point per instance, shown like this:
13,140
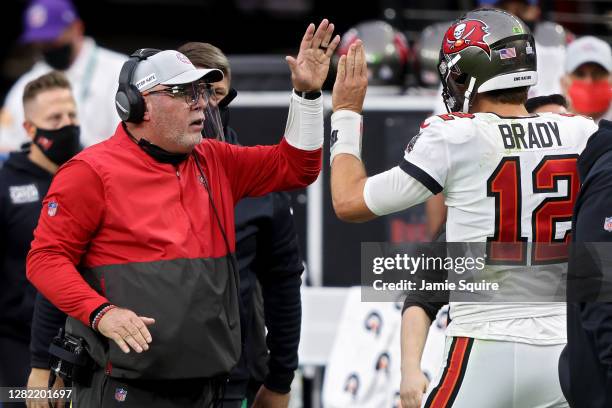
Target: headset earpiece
129,102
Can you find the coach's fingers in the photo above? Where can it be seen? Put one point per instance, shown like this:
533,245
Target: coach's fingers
146,321
320,34
328,35
139,338
332,46
120,342
307,39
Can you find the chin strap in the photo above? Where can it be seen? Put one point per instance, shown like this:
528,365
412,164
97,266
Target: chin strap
467,95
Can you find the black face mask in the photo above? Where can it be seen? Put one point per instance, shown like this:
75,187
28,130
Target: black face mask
161,155
59,57
157,153
59,145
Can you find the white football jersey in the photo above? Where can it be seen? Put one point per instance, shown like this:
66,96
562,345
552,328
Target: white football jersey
504,180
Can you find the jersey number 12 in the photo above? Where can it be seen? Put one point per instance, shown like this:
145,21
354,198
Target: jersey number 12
507,246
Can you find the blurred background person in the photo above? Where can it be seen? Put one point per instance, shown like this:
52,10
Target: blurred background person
268,254
587,82
50,121
554,103
589,312
54,28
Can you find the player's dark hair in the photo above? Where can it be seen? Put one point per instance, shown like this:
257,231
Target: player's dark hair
555,99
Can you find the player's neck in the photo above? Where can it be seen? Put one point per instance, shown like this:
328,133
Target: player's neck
501,109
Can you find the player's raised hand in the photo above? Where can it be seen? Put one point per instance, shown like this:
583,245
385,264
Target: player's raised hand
351,80
309,69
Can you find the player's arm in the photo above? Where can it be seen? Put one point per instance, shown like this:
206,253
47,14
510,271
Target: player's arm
348,179
348,175
415,327
435,213
355,196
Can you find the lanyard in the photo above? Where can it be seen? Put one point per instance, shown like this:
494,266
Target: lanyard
88,75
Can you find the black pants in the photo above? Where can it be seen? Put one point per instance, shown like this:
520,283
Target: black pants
106,392
237,390
14,365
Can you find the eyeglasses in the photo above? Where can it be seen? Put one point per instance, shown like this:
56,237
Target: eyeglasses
190,92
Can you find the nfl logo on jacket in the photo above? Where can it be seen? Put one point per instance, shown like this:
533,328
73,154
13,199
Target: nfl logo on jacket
608,224
120,394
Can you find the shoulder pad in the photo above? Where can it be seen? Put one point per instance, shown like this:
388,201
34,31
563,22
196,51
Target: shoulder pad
575,115
446,118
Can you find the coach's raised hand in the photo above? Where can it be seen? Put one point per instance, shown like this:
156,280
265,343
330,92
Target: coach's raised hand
309,69
351,80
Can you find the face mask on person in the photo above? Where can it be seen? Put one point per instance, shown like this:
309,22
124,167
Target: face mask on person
590,97
160,155
59,57
58,145
217,118
157,153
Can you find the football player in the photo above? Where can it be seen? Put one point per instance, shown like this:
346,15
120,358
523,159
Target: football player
506,176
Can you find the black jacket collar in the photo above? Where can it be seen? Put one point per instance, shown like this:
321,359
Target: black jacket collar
19,161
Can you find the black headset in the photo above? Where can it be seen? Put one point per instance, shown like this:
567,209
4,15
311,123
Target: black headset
128,99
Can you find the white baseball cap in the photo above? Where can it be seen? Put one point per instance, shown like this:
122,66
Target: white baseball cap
588,49
170,67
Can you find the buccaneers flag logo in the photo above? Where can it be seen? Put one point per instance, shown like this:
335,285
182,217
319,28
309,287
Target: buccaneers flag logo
469,33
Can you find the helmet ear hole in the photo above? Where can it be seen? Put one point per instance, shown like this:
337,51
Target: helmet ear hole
461,79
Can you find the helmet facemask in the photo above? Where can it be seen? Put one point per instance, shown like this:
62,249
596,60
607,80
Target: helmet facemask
457,87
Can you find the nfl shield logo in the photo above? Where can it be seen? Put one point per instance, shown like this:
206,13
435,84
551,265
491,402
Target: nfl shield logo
120,394
608,224
52,208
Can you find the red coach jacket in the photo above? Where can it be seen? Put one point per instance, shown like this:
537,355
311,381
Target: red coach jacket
119,227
